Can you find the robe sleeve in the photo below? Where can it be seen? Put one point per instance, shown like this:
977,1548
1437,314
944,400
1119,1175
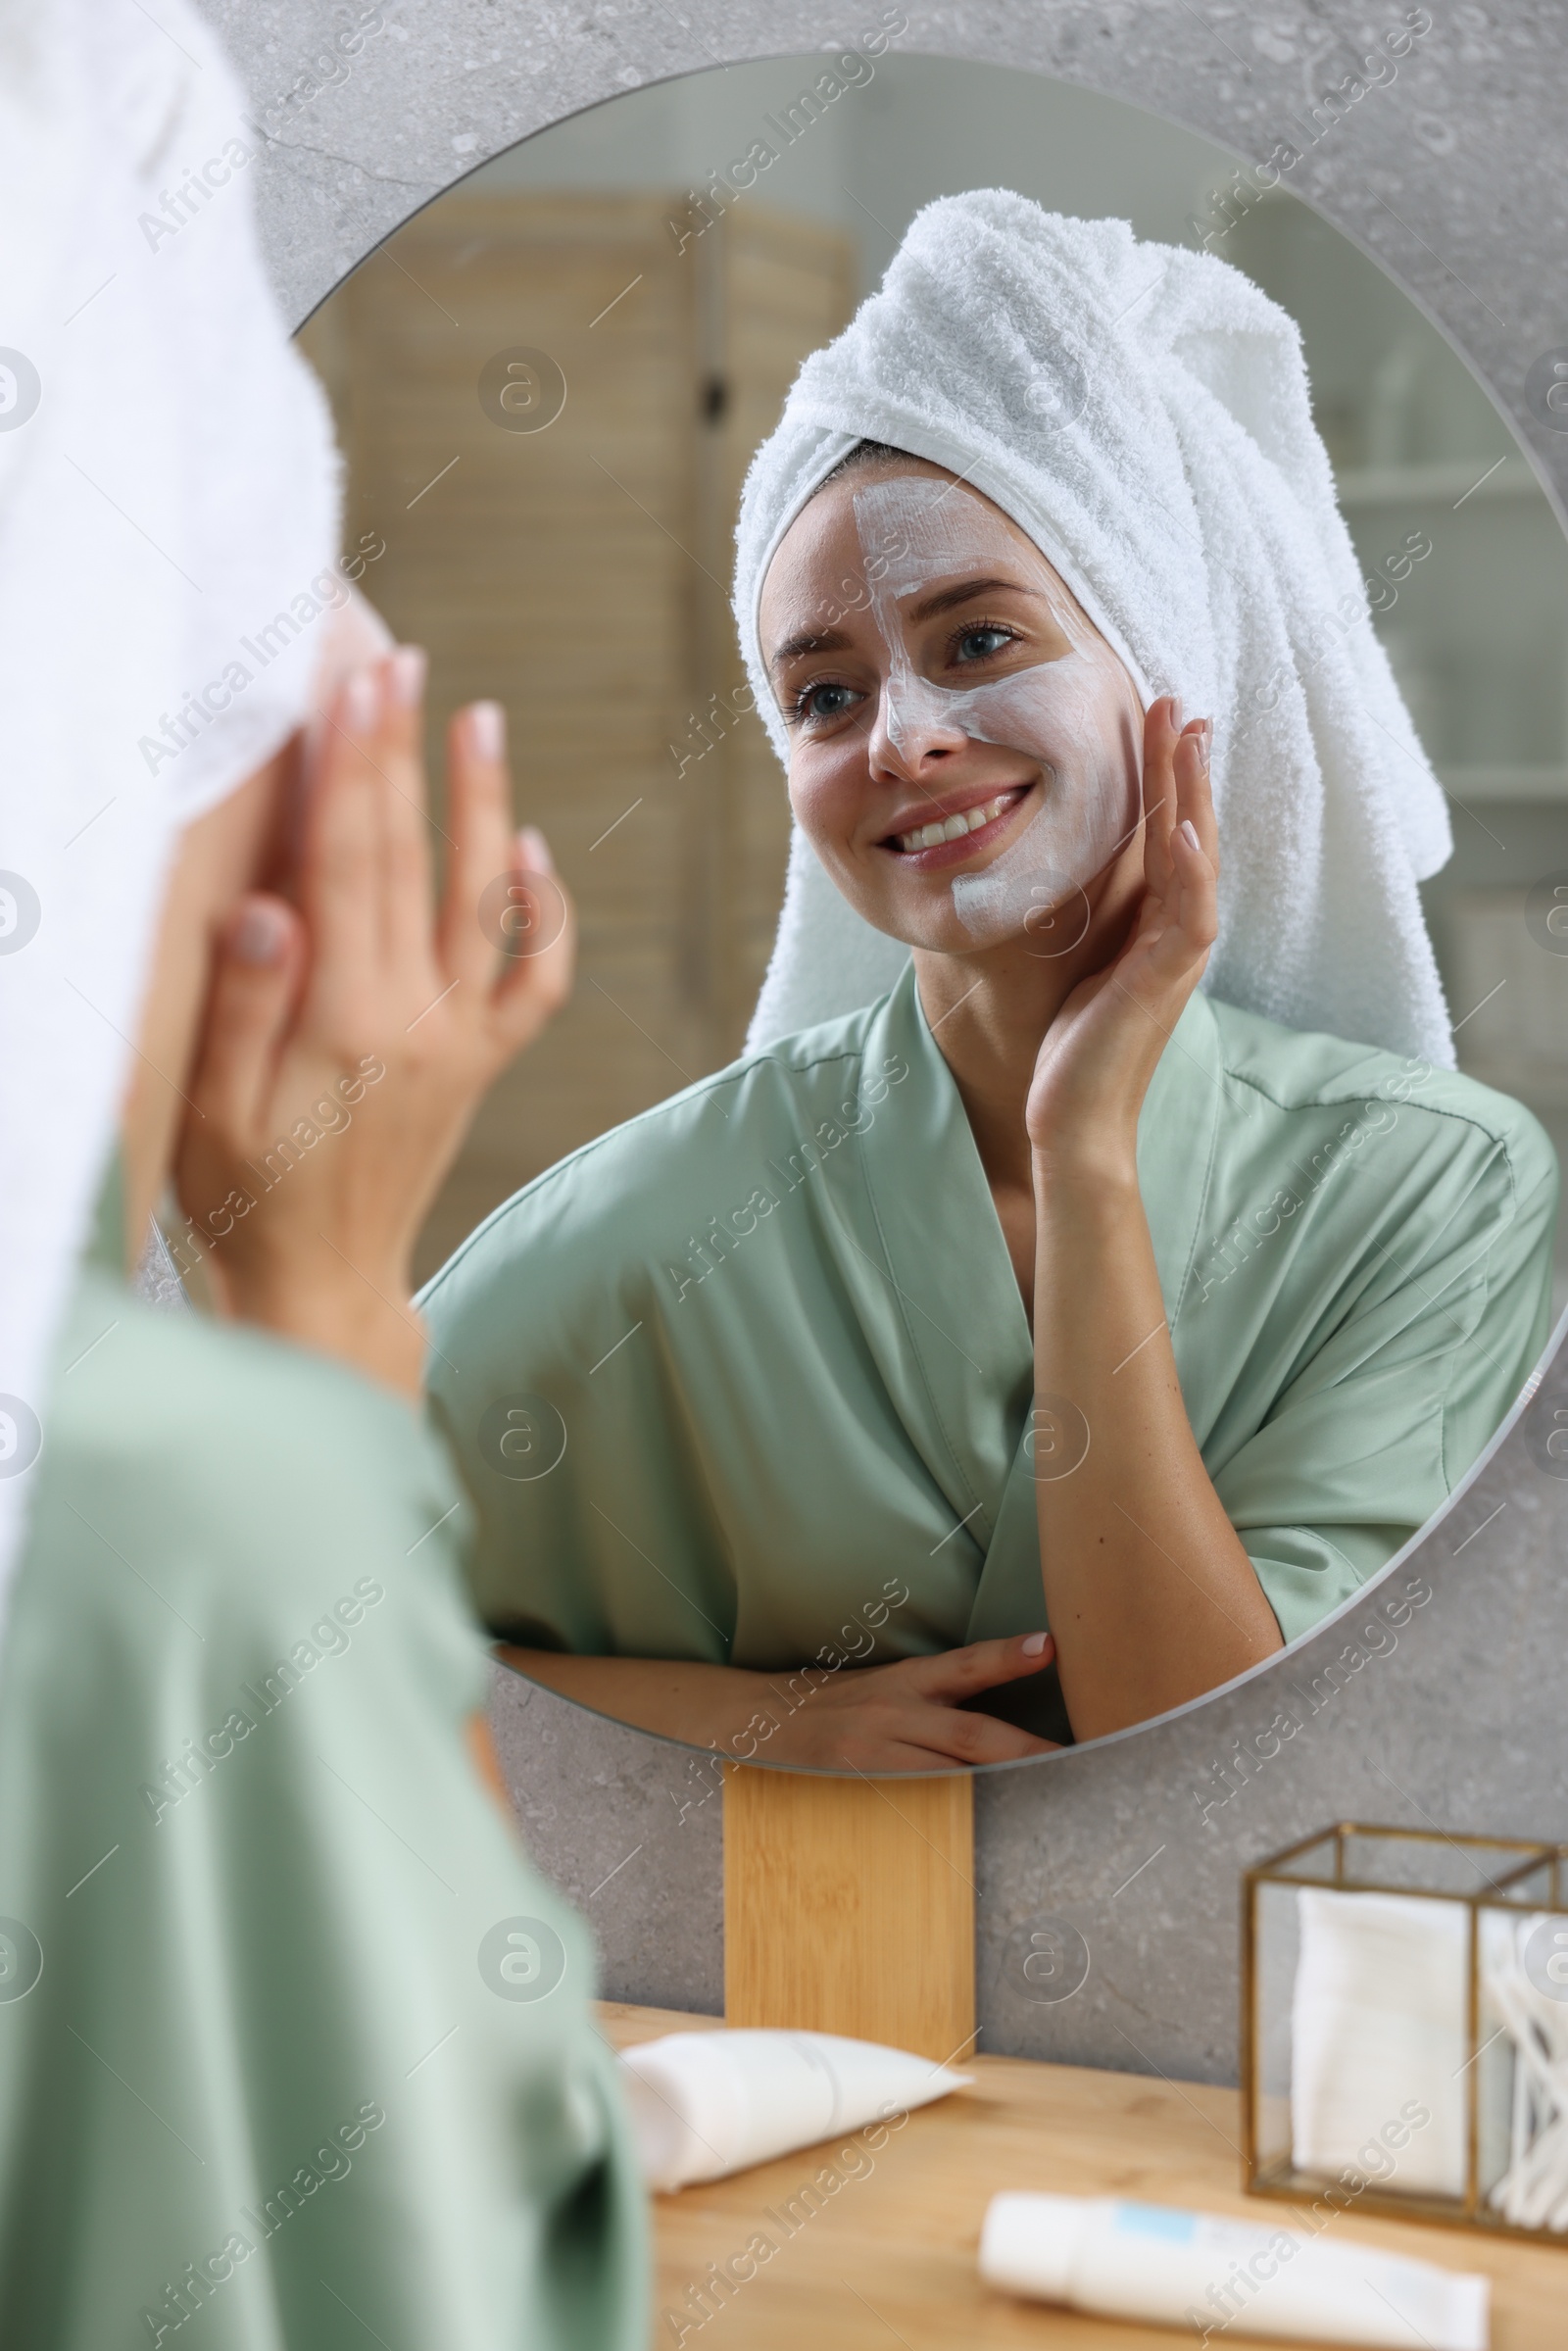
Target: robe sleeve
293,2040
1394,1406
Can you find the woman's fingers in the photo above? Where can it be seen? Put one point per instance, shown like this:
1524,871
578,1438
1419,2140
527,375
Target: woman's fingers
976,1738
363,992
960,1738
537,980
341,862
397,758
479,823
1179,866
1194,906
366,873
502,901
908,1716
366,876
1194,797
1162,726
1175,786
958,1674
256,974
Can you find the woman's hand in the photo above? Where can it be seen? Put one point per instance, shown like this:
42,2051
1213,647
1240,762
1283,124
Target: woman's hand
1152,1594
1102,1049
351,1033
908,1716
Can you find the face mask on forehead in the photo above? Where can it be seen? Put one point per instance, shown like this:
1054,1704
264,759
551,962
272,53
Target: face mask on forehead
1070,715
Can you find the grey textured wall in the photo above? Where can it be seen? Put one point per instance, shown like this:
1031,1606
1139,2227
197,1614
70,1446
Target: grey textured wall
1444,1709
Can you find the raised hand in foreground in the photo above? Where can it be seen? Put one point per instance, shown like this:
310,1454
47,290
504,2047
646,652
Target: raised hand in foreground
353,1024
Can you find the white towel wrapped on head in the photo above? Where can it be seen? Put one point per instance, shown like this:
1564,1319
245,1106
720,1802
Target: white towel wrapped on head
168,513
1143,413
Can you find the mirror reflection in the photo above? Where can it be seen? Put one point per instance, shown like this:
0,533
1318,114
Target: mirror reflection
1045,1183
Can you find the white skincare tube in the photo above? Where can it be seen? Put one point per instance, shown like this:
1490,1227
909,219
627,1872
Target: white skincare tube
705,2104
1194,2269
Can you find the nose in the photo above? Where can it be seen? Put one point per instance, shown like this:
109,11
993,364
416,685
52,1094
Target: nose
914,728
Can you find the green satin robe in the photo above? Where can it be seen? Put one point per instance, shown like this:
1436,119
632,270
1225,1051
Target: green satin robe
731,1375
295,2048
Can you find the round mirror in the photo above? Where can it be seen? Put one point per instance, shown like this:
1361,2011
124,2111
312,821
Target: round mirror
940,1362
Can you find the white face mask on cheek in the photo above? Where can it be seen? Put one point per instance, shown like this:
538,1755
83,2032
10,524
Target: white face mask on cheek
1070,714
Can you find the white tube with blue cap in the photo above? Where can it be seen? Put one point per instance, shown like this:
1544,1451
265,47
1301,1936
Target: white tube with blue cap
1195,2269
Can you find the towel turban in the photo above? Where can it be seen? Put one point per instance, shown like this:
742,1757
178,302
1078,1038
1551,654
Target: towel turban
1143,413
168,510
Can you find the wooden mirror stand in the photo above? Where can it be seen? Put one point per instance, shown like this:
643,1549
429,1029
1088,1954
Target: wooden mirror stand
850,1906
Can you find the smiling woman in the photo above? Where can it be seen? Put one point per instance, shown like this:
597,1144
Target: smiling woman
977,657
961,1323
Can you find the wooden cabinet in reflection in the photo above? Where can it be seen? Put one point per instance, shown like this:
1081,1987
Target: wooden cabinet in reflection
577,569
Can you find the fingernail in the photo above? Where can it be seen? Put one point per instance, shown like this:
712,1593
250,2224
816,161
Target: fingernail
1208,740
536,857
1188,833
360,702
408,666
260,935
487,729
1176,714
1035,1644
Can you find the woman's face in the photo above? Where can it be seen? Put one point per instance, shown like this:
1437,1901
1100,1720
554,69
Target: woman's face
965,749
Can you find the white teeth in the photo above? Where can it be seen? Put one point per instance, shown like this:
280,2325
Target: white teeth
954,828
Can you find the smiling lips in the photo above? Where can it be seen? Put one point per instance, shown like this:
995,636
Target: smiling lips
944,831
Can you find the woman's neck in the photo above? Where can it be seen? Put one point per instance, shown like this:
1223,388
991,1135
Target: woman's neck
989,1012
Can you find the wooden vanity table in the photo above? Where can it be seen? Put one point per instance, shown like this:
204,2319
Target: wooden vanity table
888,2256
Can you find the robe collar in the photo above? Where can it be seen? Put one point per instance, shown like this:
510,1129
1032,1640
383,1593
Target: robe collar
963,1310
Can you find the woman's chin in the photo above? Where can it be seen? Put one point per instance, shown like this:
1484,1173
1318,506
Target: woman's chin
927,929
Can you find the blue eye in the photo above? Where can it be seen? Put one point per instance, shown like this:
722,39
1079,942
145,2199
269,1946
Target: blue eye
977,644
825,702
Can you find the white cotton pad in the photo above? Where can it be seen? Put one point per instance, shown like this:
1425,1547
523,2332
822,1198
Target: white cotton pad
704,2104
1378,2024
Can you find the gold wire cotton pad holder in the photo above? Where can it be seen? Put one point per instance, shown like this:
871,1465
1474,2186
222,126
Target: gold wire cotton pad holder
1376,1959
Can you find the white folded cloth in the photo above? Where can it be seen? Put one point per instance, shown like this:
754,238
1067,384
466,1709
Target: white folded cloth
704,2104
1378,2028
1143,413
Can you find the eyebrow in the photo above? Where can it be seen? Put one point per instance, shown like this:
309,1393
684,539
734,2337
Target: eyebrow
962,591
833,640
810,639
